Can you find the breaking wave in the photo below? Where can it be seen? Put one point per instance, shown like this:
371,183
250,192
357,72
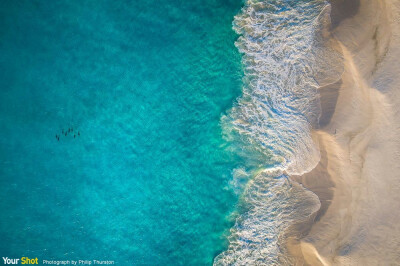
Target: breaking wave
285,61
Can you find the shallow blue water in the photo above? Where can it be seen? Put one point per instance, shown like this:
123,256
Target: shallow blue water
145,83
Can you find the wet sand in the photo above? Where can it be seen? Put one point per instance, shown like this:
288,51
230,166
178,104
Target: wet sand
358,178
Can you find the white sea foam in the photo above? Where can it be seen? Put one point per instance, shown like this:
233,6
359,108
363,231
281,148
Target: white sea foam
280,102
272,121
270,204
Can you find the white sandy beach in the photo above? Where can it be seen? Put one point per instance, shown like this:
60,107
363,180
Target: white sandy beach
358,178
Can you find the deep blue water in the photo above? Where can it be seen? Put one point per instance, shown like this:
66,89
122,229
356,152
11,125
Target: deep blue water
145,83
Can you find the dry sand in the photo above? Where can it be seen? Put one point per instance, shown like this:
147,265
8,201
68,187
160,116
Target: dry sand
358,178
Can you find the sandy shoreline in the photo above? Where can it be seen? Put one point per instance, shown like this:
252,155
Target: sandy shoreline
357,179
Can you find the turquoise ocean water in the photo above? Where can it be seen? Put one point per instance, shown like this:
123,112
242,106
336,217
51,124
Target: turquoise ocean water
145,83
